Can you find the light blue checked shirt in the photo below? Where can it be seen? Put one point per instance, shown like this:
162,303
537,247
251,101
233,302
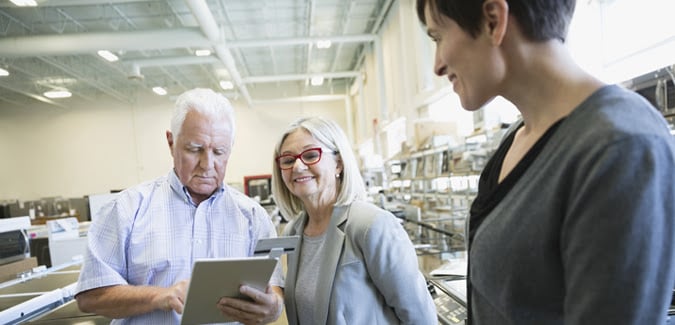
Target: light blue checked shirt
152,233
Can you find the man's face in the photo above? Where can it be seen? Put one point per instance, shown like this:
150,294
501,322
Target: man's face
200,154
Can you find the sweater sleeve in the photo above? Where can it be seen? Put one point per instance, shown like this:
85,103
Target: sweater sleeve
617,241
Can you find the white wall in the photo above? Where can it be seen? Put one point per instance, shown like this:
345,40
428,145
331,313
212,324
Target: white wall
72,152
95,147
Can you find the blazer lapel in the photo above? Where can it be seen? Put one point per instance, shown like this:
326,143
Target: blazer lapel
334,244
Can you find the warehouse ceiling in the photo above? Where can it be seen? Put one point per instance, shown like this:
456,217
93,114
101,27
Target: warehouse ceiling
266,50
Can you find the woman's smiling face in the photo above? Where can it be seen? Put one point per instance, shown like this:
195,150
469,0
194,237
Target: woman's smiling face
316,182
470,63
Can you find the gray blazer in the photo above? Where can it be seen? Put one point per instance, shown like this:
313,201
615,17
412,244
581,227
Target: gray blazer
370,271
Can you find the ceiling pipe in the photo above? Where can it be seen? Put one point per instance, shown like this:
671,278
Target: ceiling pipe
176,60
301,99
63,3
294,77
361,38
80,43
210,28
310,24
136,65
338,50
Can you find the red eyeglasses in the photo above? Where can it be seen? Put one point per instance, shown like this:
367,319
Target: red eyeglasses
308,157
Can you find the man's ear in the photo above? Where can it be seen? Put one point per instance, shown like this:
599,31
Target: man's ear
169,139
496,18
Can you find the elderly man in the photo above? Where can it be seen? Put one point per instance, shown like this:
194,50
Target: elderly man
143,244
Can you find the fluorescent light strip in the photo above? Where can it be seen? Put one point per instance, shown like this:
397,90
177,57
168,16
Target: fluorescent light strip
57,94
203,52
159,91
316,81
108,55
227,85
24,3
323,44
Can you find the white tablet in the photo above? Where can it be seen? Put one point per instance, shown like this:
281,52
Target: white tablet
215,278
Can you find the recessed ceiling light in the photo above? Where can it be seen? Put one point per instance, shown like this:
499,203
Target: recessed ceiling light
203,52
57,94
24,3
323,44
159,91
56,82
3,72
108,55
317,81
227,85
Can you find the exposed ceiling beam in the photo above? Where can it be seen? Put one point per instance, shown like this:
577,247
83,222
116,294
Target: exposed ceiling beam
312,98
345,25
63,3
361,38
69,44
159,39
212,31
293,77
178,60
310,24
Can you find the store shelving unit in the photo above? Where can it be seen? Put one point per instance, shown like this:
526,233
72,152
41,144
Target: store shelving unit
436,187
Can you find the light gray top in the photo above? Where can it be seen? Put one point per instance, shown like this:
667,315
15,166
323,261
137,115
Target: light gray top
310,259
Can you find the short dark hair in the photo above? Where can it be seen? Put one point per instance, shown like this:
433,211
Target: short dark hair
540,20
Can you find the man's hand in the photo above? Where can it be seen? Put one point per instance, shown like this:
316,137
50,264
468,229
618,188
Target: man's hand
172,298
265,308
122,301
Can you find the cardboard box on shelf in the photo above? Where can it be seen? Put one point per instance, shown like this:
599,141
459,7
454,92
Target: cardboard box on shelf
425,131
10,271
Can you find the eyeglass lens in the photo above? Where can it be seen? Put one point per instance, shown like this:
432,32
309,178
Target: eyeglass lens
308,157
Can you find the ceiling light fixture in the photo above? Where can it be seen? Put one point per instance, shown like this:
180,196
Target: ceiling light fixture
3,72
227,85
317,81
323,44
108,55
24,3
203,52
57,94
159,91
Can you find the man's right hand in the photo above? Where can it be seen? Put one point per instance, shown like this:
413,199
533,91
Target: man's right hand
122,301
173,298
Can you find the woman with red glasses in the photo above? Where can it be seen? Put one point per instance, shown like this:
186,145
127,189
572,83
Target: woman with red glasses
356,264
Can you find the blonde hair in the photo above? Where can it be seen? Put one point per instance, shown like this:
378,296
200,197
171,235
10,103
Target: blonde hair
351,186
